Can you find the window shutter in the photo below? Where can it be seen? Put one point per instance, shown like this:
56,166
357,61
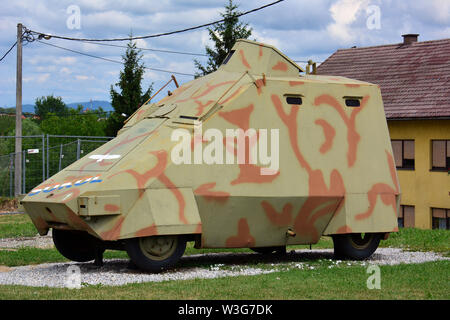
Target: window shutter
439,154
397,149
409,217
408,149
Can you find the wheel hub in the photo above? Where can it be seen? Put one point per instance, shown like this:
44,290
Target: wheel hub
159,247
360,240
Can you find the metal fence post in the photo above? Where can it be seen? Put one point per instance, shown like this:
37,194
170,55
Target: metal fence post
60,156
48,157
43,158
78,149
23,171
11,173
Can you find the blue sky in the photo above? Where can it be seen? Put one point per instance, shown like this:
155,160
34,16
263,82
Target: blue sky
302,29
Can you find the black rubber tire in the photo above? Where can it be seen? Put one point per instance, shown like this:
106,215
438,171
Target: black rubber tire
269,250
144,259
355,246
75,245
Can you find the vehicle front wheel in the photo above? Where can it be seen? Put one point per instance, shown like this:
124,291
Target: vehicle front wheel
76,245
156,253
357,246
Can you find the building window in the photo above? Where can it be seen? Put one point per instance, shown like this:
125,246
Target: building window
403,153
440,218
406,218
440,150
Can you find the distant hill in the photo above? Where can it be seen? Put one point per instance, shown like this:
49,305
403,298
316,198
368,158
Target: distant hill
91,105
94,104
27,108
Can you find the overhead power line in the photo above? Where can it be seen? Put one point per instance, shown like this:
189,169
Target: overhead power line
79,52
111,60
8,51
149,49
48,36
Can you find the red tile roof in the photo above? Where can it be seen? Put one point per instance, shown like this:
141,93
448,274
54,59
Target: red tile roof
414,79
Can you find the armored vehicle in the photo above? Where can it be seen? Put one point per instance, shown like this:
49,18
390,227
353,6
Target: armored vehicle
256,155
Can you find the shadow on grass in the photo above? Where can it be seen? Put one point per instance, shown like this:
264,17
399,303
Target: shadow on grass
207,260
251,259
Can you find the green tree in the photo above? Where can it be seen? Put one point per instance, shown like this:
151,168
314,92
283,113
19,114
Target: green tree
7,123
8,110
131,95
224,36
32,162
29,128
76,122
50,104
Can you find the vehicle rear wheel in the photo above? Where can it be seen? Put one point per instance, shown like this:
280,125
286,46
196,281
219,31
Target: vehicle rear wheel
156,253
77,246
357,246
269,250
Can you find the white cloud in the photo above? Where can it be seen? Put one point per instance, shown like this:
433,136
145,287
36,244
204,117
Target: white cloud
153,76
141,43
152,57
43,77
66,60
264,38
205,40
344,13
65,70
84,77
48,68
27,79
39,78
441,10
106,19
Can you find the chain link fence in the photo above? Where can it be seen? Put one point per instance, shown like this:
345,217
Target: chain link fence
42,157
7,175
61,151
32,163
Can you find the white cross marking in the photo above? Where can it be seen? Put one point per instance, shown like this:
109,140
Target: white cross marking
101,157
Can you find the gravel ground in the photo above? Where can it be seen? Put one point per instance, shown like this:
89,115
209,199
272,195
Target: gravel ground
116,272
44,242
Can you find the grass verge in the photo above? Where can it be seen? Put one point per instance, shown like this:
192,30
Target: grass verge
419,240
17,225
407,281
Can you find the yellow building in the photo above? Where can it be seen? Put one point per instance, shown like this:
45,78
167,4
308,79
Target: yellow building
414,78
424,178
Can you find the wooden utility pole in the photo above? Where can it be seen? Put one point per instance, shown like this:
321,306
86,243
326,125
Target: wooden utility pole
18,151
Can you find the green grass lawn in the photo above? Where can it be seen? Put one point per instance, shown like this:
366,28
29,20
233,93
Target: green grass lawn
17,225
416,281
420,240
429,280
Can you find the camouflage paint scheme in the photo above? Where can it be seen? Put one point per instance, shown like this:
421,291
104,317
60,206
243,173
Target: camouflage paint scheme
336,172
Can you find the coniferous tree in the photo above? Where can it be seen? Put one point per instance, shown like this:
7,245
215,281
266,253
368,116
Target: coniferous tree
131,95
224,35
